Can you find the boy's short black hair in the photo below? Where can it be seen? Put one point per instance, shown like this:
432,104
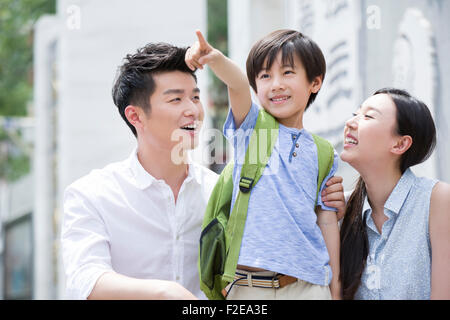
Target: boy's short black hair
134,83
289,42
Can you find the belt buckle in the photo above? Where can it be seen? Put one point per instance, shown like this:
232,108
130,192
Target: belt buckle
275,277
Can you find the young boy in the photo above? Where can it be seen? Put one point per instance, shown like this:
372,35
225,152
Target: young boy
283,234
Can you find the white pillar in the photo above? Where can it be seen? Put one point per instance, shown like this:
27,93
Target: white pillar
46,34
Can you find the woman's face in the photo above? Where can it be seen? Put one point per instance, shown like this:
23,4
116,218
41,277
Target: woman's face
370,134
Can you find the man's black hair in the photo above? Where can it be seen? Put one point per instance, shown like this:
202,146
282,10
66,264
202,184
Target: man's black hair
135,84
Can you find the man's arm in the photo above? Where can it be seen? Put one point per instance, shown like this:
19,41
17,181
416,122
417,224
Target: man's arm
112,286
227,71
87,259
327,222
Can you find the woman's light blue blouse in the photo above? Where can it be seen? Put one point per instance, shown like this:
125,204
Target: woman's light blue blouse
399,261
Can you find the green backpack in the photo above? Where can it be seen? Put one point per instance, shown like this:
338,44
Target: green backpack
221,236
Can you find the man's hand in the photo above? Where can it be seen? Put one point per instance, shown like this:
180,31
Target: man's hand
200,53
174,291
114,286
333,195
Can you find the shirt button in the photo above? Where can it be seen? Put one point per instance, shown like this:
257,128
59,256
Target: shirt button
296,145
294,137
294,154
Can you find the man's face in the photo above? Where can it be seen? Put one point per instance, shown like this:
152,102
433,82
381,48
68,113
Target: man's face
176,113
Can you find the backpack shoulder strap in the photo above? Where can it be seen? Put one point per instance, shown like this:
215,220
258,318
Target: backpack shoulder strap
259,150
325,155
220,196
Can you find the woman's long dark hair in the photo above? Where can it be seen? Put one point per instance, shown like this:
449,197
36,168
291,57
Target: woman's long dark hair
413,119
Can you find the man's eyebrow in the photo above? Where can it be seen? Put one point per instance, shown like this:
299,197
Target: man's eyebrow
179,91
174,91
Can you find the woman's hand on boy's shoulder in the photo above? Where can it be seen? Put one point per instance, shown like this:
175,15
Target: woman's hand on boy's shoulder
333,195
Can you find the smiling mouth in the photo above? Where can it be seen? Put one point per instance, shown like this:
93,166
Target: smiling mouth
280,99
190,127
349,140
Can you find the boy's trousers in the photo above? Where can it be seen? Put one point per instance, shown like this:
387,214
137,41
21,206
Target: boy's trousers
299,290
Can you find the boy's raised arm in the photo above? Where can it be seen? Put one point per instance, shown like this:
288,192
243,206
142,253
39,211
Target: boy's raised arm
227,71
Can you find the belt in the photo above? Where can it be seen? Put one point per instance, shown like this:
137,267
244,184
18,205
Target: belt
277,281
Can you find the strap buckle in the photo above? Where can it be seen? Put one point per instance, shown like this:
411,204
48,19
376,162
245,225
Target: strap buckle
245,184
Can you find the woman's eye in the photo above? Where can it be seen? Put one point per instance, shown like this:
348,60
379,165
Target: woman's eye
288,72
366,116
264,76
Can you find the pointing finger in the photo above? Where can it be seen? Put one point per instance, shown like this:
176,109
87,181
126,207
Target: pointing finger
203,43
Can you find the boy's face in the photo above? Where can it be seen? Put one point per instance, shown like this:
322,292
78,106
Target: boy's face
284,91
176,113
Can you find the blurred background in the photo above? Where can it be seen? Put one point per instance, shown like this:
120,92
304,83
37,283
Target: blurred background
58,60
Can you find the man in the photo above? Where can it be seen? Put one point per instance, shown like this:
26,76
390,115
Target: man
131,229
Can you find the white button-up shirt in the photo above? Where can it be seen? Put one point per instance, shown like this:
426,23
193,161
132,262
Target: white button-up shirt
122,219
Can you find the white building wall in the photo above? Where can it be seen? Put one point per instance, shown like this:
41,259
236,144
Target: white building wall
46,37
249,20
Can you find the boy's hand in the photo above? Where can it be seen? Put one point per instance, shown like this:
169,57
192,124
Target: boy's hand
333,195
200,53
240,99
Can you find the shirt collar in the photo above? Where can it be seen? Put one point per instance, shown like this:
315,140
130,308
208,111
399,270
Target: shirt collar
144,179
195,170
366,205
398,196
400,192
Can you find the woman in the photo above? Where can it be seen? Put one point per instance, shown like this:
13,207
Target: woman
395,237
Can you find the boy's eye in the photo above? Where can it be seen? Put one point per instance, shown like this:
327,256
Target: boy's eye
264,76
175,100
196,98
288,72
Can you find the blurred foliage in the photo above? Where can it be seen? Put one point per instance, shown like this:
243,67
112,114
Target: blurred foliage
17,18
13,167
14,161
218,38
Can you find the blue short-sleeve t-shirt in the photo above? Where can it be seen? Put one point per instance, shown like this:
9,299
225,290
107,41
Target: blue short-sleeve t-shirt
281,233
